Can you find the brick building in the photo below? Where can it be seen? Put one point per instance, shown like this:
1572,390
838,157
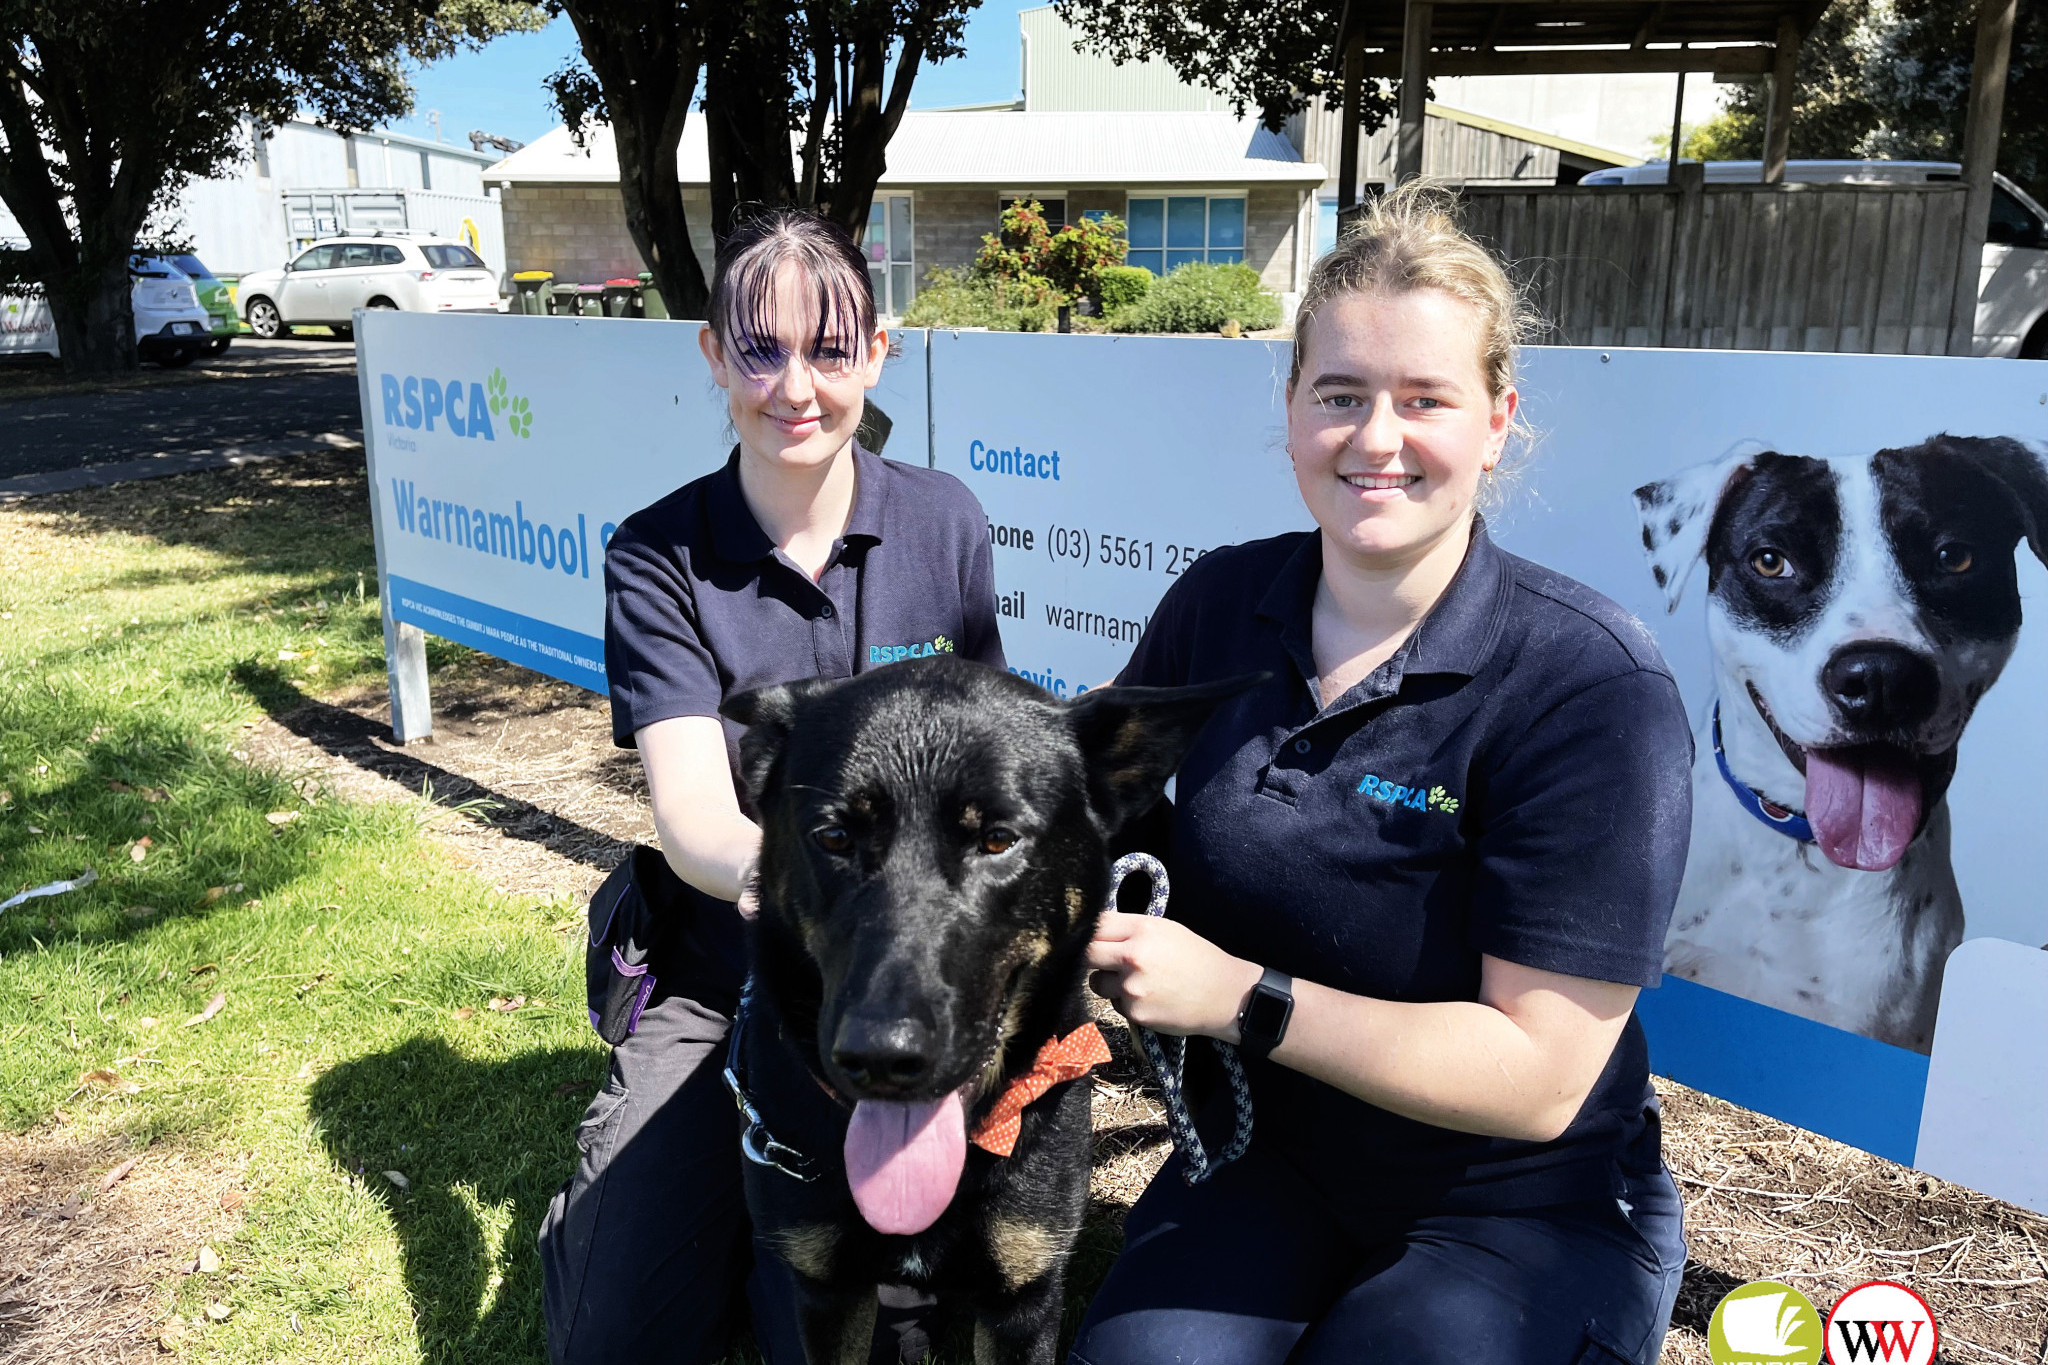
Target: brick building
1190,185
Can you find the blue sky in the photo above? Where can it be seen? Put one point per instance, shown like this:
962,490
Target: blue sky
498,89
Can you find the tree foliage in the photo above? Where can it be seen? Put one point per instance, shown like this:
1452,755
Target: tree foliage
800,99
1066,264
1276,56
107,107
1891,78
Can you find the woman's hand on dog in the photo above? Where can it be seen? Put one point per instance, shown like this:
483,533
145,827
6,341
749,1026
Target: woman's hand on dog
1168,978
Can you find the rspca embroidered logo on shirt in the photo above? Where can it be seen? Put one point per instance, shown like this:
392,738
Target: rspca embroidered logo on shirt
1415,798
889,654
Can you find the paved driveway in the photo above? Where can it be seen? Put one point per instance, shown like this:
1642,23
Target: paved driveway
260,394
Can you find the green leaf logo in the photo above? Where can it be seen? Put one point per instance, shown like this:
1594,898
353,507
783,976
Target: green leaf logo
521,420
496,385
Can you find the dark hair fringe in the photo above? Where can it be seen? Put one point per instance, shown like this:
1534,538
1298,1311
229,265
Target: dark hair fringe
742,307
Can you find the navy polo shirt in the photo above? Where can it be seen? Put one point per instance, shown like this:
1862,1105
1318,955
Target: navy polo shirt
700,604
1514,781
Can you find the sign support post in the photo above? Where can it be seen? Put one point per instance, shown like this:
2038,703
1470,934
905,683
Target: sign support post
405,644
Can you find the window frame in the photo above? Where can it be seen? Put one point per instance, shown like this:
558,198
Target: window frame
1006,197
1210,251
898,259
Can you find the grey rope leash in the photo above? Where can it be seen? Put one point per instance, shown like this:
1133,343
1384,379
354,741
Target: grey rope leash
1168,1054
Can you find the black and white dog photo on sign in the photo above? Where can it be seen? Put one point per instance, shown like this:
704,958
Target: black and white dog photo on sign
1858,608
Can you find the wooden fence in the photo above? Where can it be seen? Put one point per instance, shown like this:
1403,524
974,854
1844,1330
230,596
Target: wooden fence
1867,268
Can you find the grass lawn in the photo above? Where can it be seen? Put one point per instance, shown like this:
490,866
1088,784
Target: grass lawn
141,630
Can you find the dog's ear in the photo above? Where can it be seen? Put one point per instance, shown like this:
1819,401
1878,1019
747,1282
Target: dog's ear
1133,738
769,713
1676,512
2019,469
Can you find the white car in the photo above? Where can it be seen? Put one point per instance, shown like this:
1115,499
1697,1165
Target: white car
171,328
324,284
2012,290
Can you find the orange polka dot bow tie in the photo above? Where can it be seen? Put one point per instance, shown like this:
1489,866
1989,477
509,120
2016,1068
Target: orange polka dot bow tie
1061,1059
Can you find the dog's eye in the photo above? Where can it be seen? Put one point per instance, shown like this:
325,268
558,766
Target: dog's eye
1770,564
833,839
997,840
1955,557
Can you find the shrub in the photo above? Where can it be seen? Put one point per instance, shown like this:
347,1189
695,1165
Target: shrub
1068,263
1122,286
957,298
1201,298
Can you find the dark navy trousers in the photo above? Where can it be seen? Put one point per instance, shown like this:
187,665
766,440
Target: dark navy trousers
647,1253
1258,1267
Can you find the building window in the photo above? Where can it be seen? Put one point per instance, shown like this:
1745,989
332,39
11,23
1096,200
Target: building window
1173,230
891,259
1326,227
1055,207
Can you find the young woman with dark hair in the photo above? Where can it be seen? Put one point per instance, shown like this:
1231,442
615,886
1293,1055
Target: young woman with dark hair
805,556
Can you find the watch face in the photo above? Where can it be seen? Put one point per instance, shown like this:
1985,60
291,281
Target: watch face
1265,1014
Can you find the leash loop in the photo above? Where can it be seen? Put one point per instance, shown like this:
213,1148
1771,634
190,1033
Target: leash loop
757,1144
1168,1053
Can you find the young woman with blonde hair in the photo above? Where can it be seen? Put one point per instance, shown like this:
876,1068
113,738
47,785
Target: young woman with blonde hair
1418,878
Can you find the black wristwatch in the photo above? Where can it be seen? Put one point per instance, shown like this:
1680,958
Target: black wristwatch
1262,1023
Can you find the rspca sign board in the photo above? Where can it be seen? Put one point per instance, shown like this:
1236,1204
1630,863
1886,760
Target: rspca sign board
1875,976
503,453
1894,998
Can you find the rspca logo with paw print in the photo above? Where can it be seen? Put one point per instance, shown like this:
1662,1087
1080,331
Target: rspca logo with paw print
1414,798
889,654
470,410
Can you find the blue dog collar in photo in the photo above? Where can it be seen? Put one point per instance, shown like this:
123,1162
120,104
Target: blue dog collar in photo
1789,823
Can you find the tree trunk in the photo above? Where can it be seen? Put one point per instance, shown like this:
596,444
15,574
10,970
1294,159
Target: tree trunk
95,319
648,64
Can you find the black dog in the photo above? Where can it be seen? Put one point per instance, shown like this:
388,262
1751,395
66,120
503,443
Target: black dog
935,850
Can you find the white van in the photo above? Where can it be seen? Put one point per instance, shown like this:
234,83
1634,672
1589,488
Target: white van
171,328
2012,291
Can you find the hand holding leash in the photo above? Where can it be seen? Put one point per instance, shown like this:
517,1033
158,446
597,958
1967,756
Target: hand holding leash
1168,1053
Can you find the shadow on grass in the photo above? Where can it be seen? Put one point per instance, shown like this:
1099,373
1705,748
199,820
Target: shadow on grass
466,1135
502,1135
307,514
367,744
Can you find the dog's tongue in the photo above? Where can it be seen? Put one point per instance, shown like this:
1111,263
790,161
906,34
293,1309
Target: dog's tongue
1863,803
903,1160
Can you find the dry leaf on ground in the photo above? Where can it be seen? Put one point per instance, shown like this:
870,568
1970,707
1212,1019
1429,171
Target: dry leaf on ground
504,1006
208,1261
213,1007
398,1178
118,1174
283,817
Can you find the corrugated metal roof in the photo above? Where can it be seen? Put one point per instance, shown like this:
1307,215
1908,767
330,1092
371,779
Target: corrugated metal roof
1026,150
1009,150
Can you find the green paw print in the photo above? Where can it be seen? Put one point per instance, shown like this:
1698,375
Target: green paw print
521,420
496,385
1439,799
942,644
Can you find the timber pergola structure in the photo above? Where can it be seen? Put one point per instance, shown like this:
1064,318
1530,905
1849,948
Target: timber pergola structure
1413,41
